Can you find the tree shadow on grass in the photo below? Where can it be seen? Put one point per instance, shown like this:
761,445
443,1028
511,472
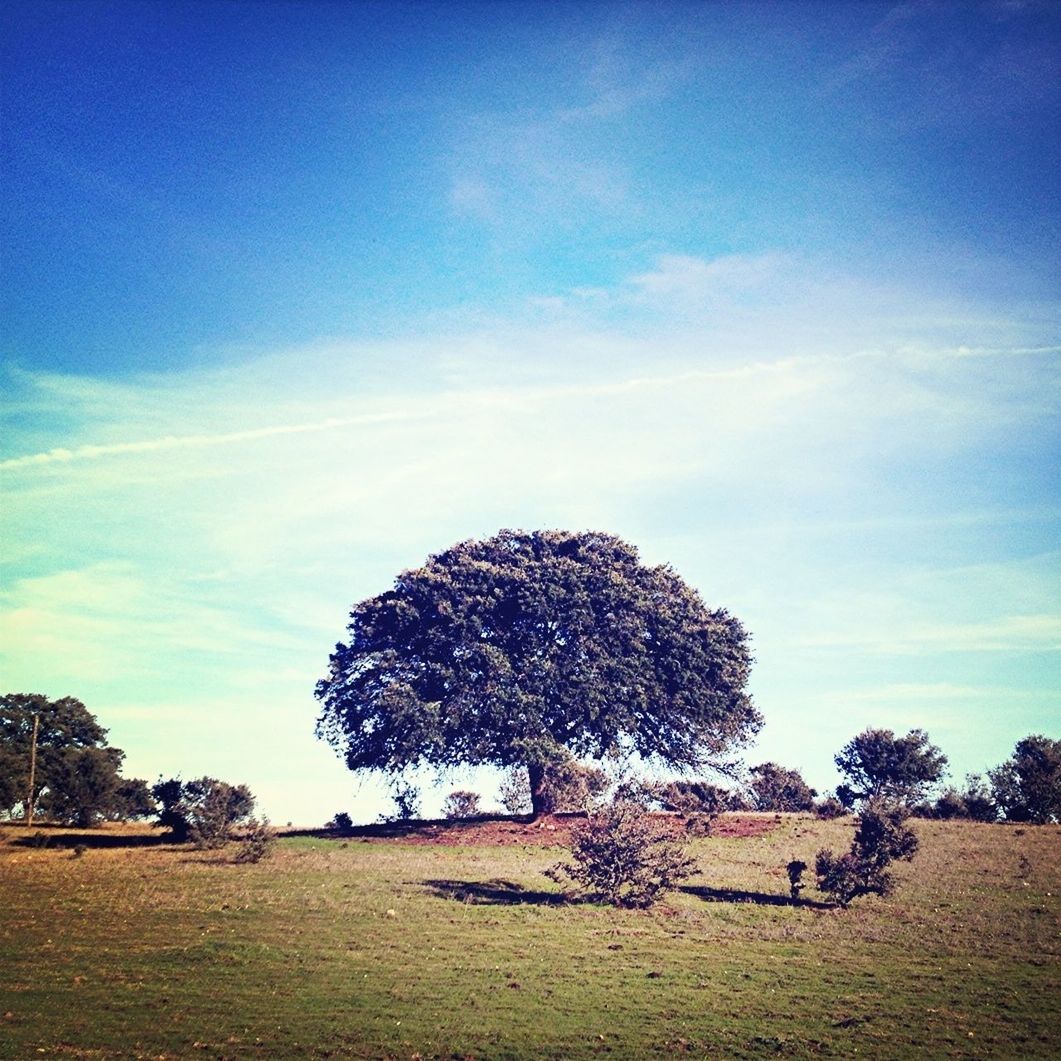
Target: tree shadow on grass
738,895
494,892
91,840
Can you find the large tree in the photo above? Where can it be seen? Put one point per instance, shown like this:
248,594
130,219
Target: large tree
880,765
1027,786
526,647
76,776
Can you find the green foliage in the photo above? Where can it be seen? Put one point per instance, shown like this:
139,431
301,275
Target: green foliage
461,804
566,787
511,650
1027,787
829,807
203,811
76,778
975,802
133,800
620,856
697,797
406,802
882,837
795,870
82,785
879,765
341,822
256,842
515,792
776,788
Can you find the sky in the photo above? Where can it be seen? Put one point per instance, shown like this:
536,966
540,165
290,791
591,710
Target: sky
297,294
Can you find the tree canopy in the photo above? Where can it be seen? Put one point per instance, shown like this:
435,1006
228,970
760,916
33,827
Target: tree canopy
527,646
879,765
76,778
777,788
1027,786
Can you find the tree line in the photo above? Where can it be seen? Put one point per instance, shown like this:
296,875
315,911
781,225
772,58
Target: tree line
55,761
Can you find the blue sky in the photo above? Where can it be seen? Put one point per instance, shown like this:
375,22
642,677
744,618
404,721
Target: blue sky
296,294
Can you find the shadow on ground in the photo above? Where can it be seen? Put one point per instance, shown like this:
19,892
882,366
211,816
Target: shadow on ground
493,892
91,840
737,895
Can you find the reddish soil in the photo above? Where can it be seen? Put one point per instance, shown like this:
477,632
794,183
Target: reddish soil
547,831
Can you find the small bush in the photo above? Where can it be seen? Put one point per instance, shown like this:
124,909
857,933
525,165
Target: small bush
515,792
341,822
795,870
828,808
257,842
698,797
881,838
461,804
406,802
620,856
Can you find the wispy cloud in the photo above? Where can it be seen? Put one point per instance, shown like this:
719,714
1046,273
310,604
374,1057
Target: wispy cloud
63,455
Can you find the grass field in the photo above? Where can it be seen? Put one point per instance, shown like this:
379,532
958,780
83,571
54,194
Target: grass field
337,948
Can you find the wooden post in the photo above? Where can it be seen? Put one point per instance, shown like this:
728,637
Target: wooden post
32,771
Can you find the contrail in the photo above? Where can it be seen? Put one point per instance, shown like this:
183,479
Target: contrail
80,453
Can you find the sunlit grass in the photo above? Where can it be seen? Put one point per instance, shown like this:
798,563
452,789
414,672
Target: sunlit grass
349,948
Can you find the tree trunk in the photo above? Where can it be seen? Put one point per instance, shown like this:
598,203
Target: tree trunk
536,775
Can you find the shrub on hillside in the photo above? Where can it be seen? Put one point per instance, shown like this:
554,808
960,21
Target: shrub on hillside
881,838
1027,787
620,856
341,822
461,804
777,788
257,841
697,797
974,802
203,811
828,808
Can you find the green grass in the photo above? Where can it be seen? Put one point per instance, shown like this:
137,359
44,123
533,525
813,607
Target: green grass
345,949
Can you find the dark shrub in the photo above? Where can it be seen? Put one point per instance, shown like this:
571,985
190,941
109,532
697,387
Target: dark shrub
203,811
341,822
829,807
461,804
621,856
257,841
881,838
776,788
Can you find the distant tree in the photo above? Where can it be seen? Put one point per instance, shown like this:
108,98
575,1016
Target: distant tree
776,788
881,838
83,786
879,765
14,779
76,775
697,797
974,802
406,801
515,793
621,856
133,799
461,804
341,822
516,650
203,811
829,807
1027,787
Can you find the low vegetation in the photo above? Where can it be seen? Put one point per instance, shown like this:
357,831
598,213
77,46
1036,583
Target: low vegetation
338,946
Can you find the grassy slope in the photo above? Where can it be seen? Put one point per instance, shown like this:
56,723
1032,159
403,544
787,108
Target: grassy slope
344,949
